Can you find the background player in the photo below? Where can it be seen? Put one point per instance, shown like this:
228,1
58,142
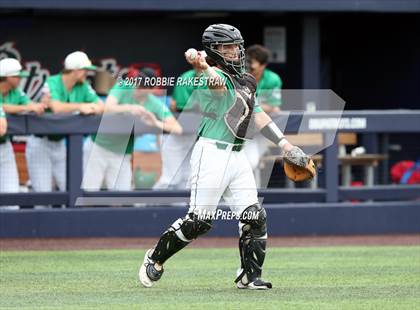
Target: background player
4,154
176,149
13,101
219,167
3,122
108,157
269,83
66,92
268,95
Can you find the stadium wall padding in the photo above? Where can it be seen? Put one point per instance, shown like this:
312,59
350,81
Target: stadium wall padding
283,220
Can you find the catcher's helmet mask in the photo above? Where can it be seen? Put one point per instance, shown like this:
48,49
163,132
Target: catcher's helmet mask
223,35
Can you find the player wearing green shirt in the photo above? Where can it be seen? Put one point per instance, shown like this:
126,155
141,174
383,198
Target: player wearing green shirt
13,98
7,159
176,149
2,115
67,92
268,95
3,122
268,90
12,101
269,83
109,155
182,92
72,96
213,125
16,101
3,151
219,166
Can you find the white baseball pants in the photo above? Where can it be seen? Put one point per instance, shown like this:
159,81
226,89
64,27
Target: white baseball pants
102,165
217,173
175,152
9,179
46,161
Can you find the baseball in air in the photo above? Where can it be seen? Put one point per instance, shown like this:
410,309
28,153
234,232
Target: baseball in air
191,53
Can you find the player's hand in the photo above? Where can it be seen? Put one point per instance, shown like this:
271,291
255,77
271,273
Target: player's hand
138,110
37,108
87,109
298,166
3,126
196,59
149,118
46,99
287,147
97,108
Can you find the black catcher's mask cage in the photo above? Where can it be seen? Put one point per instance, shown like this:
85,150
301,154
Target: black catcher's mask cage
223,35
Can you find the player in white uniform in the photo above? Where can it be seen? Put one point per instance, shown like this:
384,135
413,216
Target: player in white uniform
8,171
67,92
176,149
219,166
3,121
13,101
108,156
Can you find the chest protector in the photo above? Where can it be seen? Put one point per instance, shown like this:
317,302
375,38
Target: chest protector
240,118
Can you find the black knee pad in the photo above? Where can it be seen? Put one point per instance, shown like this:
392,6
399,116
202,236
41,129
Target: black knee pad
192,227
254,220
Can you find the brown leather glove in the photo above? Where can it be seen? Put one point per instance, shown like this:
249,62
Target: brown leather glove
298,166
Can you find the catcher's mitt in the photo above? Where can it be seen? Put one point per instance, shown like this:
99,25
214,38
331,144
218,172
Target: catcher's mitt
298,166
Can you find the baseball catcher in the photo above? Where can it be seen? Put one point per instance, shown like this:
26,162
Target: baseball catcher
219,166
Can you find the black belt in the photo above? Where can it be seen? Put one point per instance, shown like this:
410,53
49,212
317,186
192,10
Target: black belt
223,146
50,138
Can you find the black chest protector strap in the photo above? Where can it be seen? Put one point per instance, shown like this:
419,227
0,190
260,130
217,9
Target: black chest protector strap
240,118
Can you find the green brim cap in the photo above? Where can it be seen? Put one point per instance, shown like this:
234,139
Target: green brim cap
23,73
90,67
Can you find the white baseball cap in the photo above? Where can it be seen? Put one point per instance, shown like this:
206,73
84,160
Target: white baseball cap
78,60
11,67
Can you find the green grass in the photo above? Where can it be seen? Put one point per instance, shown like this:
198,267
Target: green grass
303,278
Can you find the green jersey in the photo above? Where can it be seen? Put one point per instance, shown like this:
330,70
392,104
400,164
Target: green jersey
125,95
215,107
80,93
2,114
268,88
182,93
13,97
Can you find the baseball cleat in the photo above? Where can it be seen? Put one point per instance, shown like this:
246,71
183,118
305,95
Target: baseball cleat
148,274
258,284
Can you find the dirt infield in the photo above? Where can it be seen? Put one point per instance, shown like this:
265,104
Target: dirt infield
141,243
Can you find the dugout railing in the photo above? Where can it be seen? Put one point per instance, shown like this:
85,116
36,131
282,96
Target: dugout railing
377,124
